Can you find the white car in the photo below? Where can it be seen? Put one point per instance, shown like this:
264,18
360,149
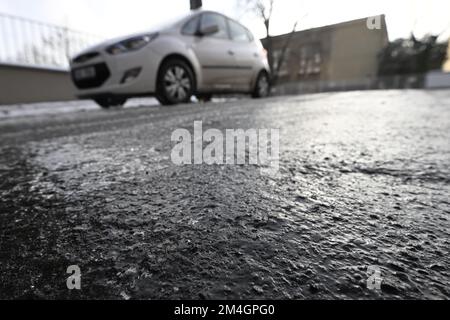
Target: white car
201,54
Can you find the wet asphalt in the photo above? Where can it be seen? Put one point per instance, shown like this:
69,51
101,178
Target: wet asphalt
364,181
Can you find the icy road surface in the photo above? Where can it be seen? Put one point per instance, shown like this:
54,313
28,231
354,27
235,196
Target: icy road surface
364,181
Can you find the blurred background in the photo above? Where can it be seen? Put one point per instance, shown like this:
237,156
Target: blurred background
313,46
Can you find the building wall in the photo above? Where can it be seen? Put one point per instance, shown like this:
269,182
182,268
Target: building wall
355,49
343,52
437,80
23,84
447,64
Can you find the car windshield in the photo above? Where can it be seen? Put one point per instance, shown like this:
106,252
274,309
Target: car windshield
168,23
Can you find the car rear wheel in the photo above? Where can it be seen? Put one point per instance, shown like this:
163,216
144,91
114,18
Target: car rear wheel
109,102
175,83
262,86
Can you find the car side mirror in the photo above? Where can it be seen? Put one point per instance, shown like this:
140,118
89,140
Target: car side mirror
209,30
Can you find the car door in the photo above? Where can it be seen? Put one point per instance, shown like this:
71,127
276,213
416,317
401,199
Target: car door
245,54
214,54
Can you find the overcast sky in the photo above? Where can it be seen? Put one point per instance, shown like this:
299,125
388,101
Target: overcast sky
110,18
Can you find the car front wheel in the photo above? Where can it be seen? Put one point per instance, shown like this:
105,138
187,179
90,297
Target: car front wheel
175,83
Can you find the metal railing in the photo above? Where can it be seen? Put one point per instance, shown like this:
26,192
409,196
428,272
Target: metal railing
33,43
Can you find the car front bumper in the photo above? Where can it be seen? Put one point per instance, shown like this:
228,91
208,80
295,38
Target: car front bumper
117,75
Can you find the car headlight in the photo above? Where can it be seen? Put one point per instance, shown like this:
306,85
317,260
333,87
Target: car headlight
131,44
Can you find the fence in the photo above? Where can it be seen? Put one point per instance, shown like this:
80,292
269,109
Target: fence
28,42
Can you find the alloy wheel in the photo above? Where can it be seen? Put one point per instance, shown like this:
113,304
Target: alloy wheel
177,83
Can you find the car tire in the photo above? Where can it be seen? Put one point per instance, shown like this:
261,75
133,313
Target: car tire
109,102
262,86
175,83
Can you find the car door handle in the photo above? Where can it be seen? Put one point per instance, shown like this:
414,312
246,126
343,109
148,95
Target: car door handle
231,52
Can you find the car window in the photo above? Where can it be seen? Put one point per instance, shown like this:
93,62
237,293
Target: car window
210,19
191,27
250,36
238,32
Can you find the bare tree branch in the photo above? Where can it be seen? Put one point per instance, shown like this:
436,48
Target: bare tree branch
283,57
264,10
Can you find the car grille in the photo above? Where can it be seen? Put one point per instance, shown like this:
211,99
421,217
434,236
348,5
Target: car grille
101,75
86,57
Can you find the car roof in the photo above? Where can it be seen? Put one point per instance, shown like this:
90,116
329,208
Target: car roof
198,12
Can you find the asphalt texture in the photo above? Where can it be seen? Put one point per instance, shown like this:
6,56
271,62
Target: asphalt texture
364,181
